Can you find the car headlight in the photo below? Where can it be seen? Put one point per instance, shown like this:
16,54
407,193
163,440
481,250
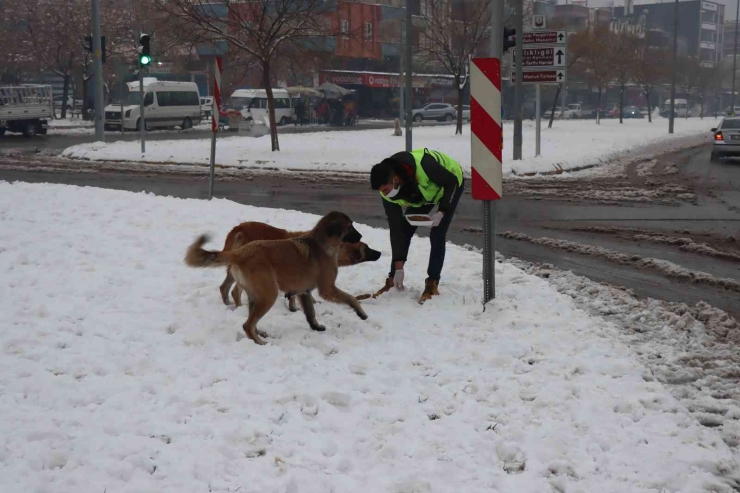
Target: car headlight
128,113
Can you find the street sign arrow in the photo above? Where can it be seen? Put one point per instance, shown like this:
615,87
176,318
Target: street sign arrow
542,56
542,76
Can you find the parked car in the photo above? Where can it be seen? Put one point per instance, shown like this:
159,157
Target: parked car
466,112
680,108
579,110
729,111
632,112
726,139
442,112
206,106
562,112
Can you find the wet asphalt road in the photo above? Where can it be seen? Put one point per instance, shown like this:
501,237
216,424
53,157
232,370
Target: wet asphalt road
716,211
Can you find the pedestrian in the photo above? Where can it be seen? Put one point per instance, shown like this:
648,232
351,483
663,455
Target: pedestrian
419,181
299,113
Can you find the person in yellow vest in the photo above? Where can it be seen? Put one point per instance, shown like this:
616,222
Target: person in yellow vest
418,181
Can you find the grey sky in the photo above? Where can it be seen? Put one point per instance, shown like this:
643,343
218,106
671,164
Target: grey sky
731,5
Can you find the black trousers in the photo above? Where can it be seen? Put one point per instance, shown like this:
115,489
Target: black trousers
401,233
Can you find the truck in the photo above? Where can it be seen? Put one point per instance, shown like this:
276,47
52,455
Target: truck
26,109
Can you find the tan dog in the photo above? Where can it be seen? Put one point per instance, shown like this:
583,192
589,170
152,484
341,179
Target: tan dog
247,232
297,265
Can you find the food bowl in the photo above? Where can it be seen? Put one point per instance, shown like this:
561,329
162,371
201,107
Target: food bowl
423,220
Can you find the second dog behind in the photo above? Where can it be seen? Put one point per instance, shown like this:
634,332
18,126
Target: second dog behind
247,232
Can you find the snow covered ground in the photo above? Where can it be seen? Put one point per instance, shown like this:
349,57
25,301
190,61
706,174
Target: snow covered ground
122,371
569,144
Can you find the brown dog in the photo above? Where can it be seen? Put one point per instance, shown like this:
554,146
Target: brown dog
297,265
245,233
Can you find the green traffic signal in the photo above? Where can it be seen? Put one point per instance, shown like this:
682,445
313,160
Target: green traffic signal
145,60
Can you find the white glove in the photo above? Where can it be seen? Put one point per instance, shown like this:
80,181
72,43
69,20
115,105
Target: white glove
437,218
398,280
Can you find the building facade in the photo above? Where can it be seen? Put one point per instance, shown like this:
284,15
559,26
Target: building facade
701,26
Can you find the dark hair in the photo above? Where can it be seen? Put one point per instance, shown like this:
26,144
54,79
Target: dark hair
382,173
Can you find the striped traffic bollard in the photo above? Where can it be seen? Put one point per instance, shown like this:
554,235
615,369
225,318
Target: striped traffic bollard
215,115
486,139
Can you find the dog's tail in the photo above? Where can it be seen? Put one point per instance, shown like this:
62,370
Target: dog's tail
196,256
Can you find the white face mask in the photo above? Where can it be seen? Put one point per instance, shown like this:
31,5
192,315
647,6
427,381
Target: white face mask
393,192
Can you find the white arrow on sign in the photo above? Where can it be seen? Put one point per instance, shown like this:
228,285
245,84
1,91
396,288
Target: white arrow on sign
542,56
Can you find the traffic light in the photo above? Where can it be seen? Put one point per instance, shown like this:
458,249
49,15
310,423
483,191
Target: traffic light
509,39
88,45
145,54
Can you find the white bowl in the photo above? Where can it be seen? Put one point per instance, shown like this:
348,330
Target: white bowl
427,222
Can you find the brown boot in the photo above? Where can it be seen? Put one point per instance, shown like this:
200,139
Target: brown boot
430,289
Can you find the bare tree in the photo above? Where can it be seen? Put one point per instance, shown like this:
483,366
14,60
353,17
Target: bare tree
54,31
689,76
16,55
651,69
260,28
596,65
450,33
623,48
578,49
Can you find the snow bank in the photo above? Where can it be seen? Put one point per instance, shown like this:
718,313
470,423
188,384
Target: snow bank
121,371
569,144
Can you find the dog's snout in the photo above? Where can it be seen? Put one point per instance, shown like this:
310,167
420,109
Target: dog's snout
372,255
352,236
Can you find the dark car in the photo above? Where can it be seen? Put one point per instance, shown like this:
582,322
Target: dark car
632,112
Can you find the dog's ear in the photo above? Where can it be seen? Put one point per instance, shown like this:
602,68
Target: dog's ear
335,229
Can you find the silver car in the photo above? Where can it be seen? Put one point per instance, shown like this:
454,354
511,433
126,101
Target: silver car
442,112
726,139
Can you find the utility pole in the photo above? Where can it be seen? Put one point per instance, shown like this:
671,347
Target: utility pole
489,206
98,69
518,87
409,100
734,59
400,77
673,70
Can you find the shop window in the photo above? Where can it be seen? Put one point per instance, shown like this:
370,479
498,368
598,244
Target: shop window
368,31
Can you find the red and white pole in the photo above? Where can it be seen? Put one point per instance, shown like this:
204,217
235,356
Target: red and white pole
216,110
215,115
486,144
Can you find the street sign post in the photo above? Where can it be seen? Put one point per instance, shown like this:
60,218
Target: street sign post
215,117
543,76
539,21
543,56
545,37
485,131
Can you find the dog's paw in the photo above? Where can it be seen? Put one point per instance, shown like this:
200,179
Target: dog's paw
262,333
318,328
362,315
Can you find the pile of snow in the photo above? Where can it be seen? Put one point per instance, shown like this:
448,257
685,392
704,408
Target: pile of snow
568,145
122,371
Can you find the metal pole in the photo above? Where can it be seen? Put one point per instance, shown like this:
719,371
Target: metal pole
400,78
213,166
98,69
489,206
142,118
409,101
734,59
122,93
538,120
673,69
518,87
